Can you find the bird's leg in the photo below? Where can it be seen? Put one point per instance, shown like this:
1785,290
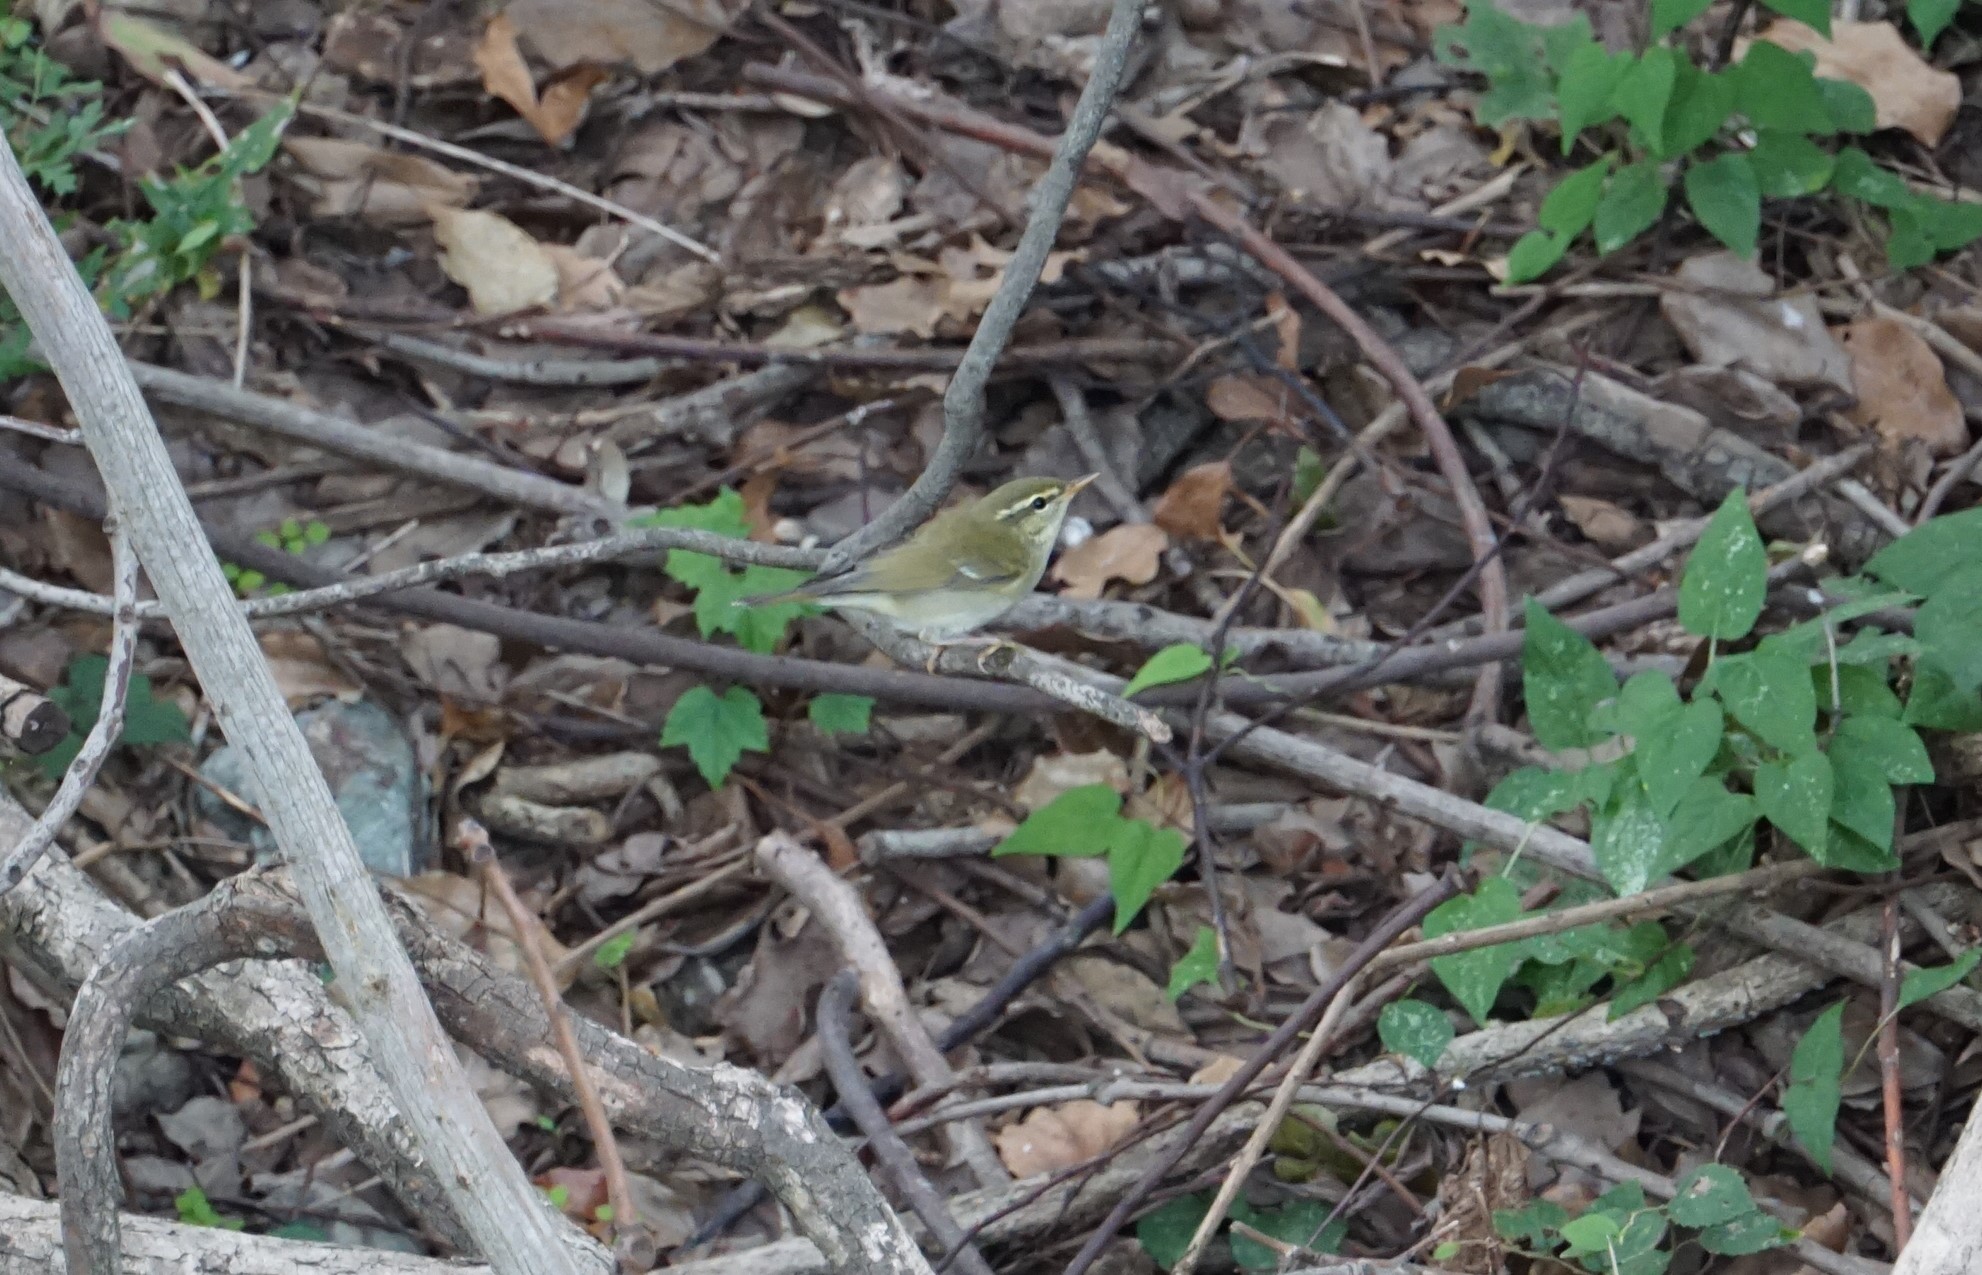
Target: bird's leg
990,645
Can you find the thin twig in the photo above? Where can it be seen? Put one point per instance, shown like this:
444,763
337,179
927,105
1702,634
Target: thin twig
17,862
963,401
1890,1079
473,841
836,1046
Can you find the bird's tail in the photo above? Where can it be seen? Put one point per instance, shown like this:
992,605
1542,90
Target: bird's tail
806,592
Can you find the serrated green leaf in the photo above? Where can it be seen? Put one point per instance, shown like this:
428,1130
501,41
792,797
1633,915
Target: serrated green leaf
1710,1195
1749,1233
1415,1030
1141,857
1796,797
1930,18
1584,97
1304,1223
1475,978
1080,822
716,731
1726,577
1775,89
1199,965
1533,1225
1568,208
841,714
1771,695
1725,196
1789,165
1919,984
1564,679
1178,663
1631,203
1166,1230
1816,1071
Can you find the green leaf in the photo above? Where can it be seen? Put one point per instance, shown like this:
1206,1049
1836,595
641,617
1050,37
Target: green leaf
1531,1225
1796,797
1938,704
715,731
1675,751
1532,256
840,714
1626,842
612,953
1749,1233
1631,203
1789,165
1816,1071
1178,663
1415,1030
1949,627
1930,18
1564,678
1861,692
1927,556
1725,196
1862,798
1775,89
1811,13
1643,91
761,628
1304,1223
1726,577
1701,103
1079,822
1919,984
1165,1231
147,719
1670,15
1850,107
1708,1196
1591,1233
1707,817
1475,978
1664,974
1771,695
1140,858
1568,208
1584,98
1858,176
1516,57
1891,748
1199,965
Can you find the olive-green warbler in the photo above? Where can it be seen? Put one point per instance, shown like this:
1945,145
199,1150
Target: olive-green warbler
960,570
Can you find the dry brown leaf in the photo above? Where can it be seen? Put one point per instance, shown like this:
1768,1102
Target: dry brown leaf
302,668
501,265
1124,992
1287,323
351,179
154,52
1907,91
1055,773
556,111
906,304
1190,509
583,282
1248,398
1902,389
1051,1138
1610,527
1132,552
1728,314
653,37
462,909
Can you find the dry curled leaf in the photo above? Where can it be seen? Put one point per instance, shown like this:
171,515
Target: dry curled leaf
1190,509
1051,1138
1902,388
1609,527
503,268
556,109
1249,398
1056,773
1131,553
1907,92
386,188
653,37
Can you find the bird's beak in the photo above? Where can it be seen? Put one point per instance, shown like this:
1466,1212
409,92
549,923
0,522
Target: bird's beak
1074,488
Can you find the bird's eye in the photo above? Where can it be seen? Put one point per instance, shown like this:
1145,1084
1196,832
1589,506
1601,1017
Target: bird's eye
1040,502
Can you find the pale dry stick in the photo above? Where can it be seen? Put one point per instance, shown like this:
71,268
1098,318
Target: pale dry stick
1269,1124
47,433
1861,499
1957,472
508,1219
963,400
837,906
1487,192
20,859
672,901
473,840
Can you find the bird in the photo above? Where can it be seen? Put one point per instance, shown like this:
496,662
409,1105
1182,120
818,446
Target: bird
959,571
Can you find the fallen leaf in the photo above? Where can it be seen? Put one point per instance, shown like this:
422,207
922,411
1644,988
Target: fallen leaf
583,282
155,52
1287,324
907,304
556,110
1125,992
1052,1138
652,37
1609,527
1190,509
1907,91
1249,398
457,662
1055,773
1902,389
302,667
350,179
501,265
1727,313
1132,552
462,909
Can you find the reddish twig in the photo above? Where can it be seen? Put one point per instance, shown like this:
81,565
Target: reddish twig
1889,1073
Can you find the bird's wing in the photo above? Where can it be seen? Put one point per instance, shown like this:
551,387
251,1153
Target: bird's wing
918,572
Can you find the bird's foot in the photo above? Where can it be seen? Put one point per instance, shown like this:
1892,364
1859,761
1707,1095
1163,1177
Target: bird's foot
990,647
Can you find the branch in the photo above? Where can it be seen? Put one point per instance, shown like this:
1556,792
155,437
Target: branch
963,401
510,1221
